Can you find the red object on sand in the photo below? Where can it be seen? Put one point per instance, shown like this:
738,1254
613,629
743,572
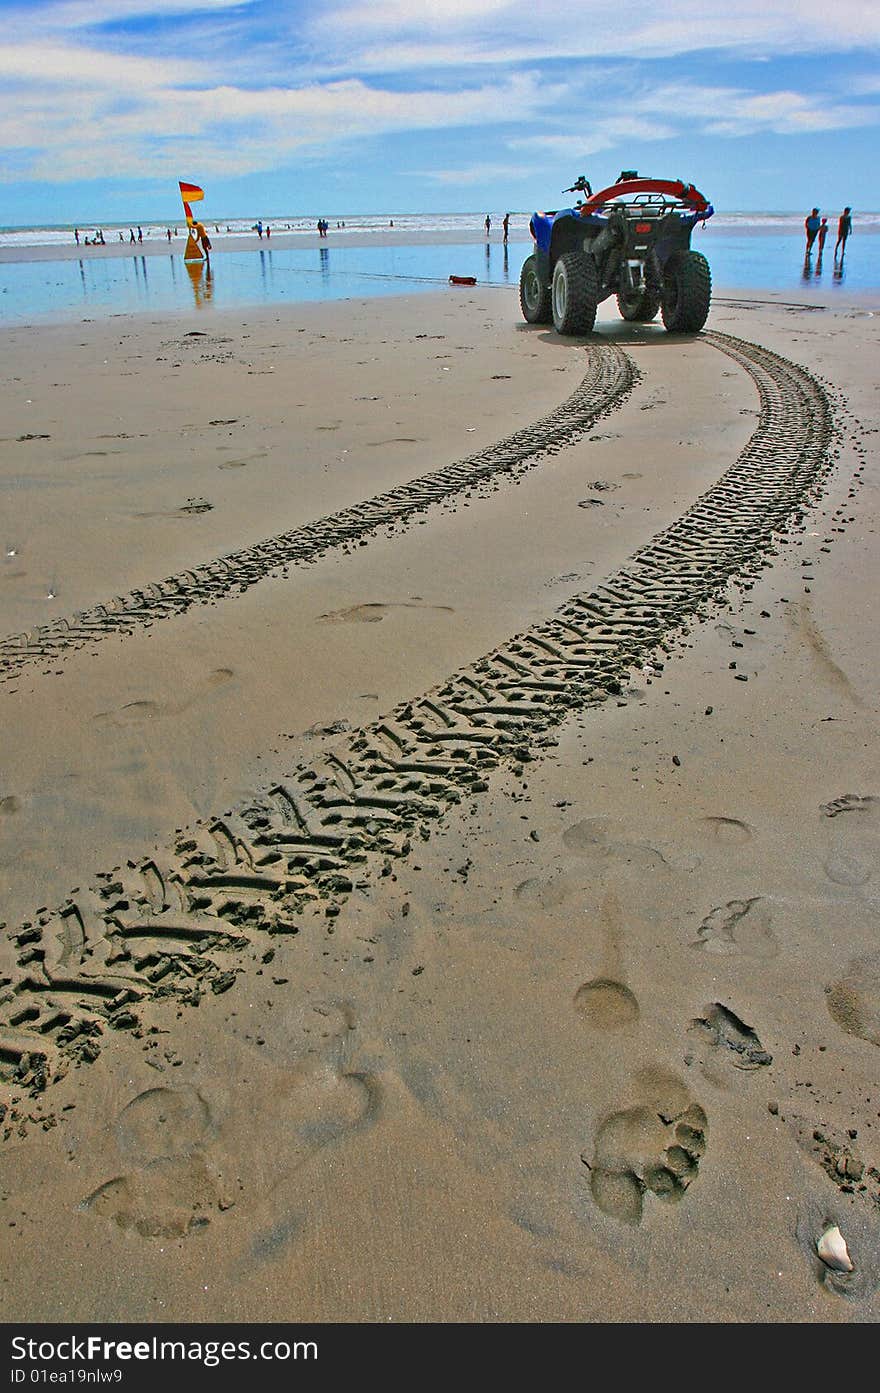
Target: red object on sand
462,280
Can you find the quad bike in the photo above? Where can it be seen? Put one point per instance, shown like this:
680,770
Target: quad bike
632,239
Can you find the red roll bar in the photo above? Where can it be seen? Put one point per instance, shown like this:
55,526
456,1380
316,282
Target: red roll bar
673,188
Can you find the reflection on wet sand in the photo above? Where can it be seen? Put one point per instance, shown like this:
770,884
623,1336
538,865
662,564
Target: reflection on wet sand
202,280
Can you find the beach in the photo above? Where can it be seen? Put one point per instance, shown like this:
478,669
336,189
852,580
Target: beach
440,813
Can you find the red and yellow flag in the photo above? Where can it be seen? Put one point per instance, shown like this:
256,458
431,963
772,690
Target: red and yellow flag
191,193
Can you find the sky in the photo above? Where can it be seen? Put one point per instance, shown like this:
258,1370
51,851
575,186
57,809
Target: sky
340,107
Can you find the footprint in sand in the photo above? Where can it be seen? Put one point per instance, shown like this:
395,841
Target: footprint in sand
9,805
854,855
853,1000
546,894
864,808
174,1188
373,613
590,839
722,1036
176,1176
606,1002
727,831
740,926
137,712
191,507
162,1122
168,1198
242,462
653,1147
844,868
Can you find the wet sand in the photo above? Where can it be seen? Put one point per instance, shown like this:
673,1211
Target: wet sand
553,997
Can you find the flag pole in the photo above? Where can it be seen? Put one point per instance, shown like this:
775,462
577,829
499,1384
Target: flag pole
193,251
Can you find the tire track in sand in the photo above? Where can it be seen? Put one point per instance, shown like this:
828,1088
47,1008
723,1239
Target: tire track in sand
610,377
184,923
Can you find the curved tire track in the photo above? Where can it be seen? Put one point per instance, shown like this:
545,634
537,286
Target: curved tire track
182,924
609,379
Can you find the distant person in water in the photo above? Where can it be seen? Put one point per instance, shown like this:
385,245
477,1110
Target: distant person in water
76,235
140,235
131,234
268,230
168,233
844,228
811,227
488,225
823,233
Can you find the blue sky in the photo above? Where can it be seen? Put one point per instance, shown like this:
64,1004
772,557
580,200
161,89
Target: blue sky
348,106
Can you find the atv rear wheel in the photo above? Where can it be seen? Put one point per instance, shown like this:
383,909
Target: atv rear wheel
687,291
575,293
639,306
534,295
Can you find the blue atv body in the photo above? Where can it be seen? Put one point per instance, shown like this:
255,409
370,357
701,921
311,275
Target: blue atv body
632,240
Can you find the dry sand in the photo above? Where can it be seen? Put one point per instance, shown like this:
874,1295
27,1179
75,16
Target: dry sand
597,1042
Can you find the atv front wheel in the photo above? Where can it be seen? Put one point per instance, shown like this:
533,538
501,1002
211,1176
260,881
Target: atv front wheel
575,293
534,295
639,306
687,291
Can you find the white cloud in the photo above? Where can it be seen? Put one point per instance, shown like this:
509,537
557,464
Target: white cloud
731,111
244,86
396,34
69,65
82,134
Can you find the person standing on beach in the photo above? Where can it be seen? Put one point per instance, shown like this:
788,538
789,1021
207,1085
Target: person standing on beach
140,235
823,233
844,228
488,225
76,235
811,225
506,225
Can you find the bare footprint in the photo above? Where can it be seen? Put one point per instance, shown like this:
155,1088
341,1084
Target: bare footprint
722,1034
163,1122
168,1198
590,840
655,1147
606,1005
606,1002
545,893
866,808
740,926
854,1000
844,868
172,1188
728,831
372,613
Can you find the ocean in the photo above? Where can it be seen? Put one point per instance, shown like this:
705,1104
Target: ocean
758,251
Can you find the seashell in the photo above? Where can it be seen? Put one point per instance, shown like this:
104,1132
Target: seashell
833,1251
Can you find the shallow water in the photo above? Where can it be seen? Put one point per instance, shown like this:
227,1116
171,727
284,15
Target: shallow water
86,288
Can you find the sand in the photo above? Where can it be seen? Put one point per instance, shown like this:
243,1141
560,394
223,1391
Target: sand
555,997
